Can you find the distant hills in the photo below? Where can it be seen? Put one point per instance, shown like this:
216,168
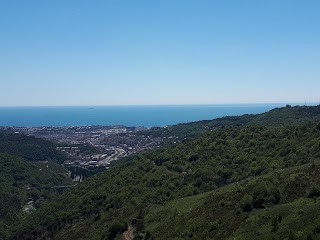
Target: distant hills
246,177
290,115
29,147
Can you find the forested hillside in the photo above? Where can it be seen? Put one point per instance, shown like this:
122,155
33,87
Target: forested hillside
21,180
284,204
29,148
102,206
289,115
28,166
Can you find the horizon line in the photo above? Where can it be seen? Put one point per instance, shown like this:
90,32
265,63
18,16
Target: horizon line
177,104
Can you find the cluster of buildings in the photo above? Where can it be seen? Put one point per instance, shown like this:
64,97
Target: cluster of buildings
111,142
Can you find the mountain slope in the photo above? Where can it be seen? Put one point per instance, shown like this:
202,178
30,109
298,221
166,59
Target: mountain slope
102,206
281,205
29,148
276,117
20,180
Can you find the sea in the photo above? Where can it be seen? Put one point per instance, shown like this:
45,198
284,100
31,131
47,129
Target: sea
147,116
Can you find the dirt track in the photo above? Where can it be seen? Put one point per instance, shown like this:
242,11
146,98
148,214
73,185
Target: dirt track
128,235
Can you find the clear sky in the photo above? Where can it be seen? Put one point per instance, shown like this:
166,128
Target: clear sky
124,52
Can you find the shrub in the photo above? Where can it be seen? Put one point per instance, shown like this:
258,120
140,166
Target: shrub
246,203
313,191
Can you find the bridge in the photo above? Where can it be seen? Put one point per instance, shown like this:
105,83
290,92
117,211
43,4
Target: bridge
60,188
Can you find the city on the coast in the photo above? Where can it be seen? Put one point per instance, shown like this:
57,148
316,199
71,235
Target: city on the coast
110,142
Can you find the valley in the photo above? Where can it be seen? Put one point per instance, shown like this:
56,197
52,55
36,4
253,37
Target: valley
244,177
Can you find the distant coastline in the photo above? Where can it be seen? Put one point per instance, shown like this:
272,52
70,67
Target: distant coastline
136,115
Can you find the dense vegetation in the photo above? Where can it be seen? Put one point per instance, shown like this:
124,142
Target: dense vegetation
28,167
243,177
289,115
281,205
102,206
29,148
20,180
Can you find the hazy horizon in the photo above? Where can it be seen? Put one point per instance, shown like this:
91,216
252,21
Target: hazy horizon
168,105
103,53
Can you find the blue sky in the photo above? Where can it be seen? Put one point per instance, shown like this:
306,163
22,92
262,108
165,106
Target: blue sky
124,52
